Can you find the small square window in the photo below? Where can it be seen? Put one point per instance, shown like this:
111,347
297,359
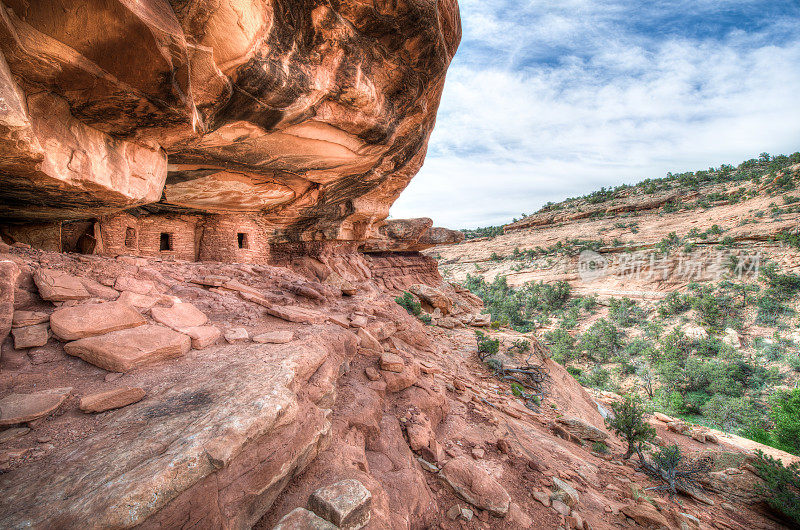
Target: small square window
241,239
166,241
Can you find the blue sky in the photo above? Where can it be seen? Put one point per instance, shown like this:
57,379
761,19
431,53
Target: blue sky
547,100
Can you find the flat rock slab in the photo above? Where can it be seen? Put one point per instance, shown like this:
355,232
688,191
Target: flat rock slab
202,336
474,485
139,301
29,318
30,336
296,314
274,337
21,408
59,286
122,351
89,320
581,429
347,504
112,399
302,519
237,336
180,315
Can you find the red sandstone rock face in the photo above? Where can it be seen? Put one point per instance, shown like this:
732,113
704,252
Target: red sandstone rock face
314,115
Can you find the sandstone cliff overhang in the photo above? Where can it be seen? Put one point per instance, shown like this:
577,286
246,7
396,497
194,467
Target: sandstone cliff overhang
399,235
313,115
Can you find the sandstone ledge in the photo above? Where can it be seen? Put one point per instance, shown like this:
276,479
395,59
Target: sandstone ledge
216,447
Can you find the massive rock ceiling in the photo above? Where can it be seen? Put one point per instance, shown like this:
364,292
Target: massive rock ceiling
315,114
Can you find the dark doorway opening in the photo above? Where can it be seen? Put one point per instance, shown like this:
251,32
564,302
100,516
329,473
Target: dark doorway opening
241,239
166,241
130,237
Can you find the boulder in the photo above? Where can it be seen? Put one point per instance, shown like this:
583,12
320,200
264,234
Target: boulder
98,290
346,504
112,399
433,297
367,341
237,336
565,493
202,336
135,285
396,382
302,519
9,272
336,281
22,408
274,337
89,320
732,338
29,318
663,417
391,362
580,429
481,320
180,315
646,515
142,302
59,286
30,336
122,351
474,485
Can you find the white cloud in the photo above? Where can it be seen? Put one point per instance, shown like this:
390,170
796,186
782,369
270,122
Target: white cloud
614,106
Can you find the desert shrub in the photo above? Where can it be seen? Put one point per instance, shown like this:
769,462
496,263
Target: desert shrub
520,346
715,307
673,304
425,318
561,344
410,303
625,312
600,447
602,341
786,418
794,362
486,346
520,308
730,414
781,487
597,377
640,347
627,419
669,465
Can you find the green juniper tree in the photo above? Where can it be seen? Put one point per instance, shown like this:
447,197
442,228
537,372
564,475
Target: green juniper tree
628,421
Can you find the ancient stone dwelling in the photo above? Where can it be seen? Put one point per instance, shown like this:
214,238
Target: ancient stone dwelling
235,238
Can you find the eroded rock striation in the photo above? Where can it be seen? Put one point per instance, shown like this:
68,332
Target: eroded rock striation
309,117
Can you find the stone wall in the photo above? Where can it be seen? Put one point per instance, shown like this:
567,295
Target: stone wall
169,236
234,239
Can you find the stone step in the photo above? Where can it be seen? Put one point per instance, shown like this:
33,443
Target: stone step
89,320
122,351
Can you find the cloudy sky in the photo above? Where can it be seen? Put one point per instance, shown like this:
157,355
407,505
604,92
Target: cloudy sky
552,99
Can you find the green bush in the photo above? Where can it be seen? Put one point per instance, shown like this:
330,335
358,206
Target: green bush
597,377
674,304
786,418
625,312
410,303
781,487
486,346
561,344
602,341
